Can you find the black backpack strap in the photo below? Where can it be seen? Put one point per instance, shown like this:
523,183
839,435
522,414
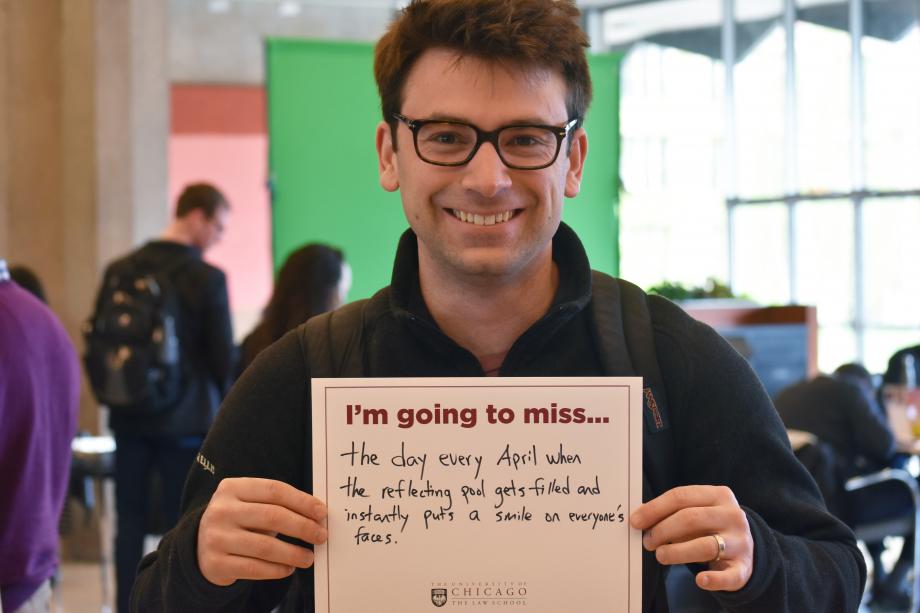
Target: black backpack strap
627,347
334,342
608,318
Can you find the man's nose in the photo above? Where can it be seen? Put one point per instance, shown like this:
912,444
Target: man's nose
486,174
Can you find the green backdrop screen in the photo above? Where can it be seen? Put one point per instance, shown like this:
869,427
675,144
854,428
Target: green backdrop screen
323,110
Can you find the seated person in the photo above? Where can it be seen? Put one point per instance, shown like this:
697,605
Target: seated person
841,411
895,375
903,372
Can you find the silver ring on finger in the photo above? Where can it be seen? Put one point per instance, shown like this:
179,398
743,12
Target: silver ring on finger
720,544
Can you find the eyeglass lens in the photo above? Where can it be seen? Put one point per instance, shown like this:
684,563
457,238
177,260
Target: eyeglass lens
449,143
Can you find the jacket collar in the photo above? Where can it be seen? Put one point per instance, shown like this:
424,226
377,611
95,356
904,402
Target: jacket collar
166,246
573,293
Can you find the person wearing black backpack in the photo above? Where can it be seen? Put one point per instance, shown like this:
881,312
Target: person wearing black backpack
160,355
483,103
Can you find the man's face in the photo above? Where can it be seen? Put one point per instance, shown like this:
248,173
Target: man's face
489,96
208,232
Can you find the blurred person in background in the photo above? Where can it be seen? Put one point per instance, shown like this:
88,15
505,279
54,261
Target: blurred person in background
841,410
161,301
29,281
903,368
313,279
39,404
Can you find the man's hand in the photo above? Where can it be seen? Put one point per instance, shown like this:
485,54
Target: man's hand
237,533
680,526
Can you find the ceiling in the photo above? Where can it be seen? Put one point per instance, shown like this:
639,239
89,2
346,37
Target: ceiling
221,41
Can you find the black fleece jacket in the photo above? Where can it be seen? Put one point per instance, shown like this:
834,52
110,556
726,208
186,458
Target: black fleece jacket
839,414
726,430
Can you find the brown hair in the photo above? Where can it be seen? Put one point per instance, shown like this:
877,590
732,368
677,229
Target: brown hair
202,196
540,33
307,285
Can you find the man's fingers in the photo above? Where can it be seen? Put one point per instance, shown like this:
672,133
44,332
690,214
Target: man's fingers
215,543
269,491
268,518
703,549
266,548
655,510
731,579
237,536
242,567
686,524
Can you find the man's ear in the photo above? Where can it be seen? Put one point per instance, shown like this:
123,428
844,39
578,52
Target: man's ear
578,150
389,175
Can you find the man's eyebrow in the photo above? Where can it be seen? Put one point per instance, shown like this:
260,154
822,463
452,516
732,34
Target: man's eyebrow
446,117
533,121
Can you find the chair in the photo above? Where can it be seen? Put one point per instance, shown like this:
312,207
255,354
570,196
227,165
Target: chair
898,526
823,465
93,462
821,462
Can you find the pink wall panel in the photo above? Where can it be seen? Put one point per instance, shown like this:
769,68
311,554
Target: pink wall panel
236,164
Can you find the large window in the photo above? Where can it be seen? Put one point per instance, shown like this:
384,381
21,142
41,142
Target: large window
671,125
793,174
823,103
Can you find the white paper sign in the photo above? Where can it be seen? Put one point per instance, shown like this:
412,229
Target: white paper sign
478,494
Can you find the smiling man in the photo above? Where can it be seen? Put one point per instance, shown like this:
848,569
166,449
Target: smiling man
484,228
483,103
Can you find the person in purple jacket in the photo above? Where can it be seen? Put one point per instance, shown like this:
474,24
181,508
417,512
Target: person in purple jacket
39,400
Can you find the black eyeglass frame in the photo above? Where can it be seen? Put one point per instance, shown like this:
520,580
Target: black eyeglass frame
483,136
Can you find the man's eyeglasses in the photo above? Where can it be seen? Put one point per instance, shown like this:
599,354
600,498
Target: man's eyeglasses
454,143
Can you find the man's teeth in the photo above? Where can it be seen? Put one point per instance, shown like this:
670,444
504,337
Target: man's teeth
483,220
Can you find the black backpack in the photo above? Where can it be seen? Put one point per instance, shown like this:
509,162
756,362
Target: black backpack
133,356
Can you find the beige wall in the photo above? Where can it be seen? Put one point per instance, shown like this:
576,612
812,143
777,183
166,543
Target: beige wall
84,117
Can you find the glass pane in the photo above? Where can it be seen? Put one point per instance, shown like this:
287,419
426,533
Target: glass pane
823,76
882,343
688,76
892,69
825,259
672,214
891,229
761,253
690,163
671,120
760,98
663,238
836,346
634,167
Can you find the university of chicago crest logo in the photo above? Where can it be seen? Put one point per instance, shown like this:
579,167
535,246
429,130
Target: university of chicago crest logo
438,596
